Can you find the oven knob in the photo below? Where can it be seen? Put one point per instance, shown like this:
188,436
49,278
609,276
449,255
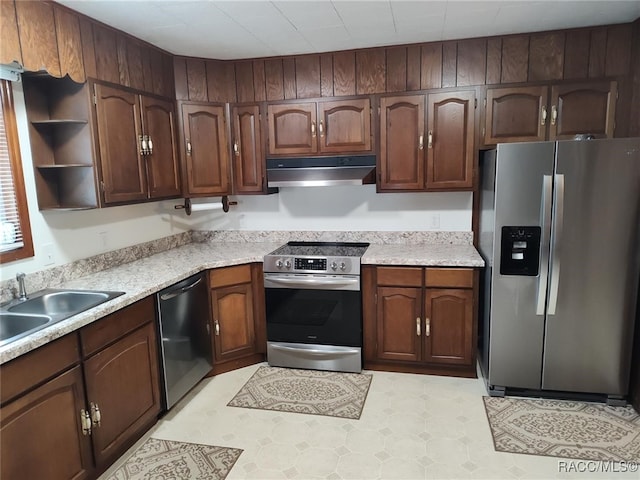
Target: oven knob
334,266
343,266
287,264
279,264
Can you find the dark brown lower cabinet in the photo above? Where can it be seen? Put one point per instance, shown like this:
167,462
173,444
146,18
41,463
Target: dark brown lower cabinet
69,415
420,319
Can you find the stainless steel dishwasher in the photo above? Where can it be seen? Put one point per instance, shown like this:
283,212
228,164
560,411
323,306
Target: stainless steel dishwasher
185,336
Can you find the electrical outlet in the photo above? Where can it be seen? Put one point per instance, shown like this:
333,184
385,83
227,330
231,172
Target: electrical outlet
434,221
48,254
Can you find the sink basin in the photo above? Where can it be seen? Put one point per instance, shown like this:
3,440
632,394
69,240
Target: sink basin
16,325
44,308
61,302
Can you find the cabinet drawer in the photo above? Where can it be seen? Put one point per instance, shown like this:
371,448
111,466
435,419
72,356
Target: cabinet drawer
222,277
399,276
37,366
103,332
449,277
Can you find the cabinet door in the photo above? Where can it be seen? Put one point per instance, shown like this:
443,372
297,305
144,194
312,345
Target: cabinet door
450,135
248,156
233,322
402,143
119,132
345,126
207,150
122,380
587,108
516,114
292,129
399,327
162,161
448,326
41,434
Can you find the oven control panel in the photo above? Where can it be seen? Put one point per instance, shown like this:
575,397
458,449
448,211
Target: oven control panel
332,265
301,263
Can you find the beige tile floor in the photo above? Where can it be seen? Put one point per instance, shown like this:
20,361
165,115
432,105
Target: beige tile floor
412,427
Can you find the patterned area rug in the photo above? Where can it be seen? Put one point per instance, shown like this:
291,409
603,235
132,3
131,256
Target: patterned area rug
559,428
333,394
163,459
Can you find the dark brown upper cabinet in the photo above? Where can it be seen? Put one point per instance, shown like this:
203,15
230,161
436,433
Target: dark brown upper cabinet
438,157
555,112
248,157
138,155
206,166
318,128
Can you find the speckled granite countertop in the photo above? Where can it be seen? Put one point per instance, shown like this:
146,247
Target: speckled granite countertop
144,277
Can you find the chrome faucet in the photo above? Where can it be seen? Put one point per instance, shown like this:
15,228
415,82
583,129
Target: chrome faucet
22,291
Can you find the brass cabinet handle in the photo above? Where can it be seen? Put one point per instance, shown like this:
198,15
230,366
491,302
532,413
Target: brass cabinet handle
554,114
427,326
421,142
95,414
430,139
143,144
236,148
85,421
217,327
418,329
188,147
321,128
543,120
150,144
313,129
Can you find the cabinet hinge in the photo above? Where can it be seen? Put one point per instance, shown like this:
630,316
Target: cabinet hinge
102,186
484,102
95,99
483,131
378,111
475,103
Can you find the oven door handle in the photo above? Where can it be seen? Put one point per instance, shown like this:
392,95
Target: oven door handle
317,352
313,282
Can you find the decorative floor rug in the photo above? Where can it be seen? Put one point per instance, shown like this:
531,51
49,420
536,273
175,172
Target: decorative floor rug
334,394
559,428
167,460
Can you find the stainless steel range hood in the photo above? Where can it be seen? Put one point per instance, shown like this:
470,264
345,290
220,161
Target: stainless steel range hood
321,171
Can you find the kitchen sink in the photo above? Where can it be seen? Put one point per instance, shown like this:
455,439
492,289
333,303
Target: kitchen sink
19,318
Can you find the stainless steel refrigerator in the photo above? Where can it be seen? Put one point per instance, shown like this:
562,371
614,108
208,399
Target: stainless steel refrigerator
560,235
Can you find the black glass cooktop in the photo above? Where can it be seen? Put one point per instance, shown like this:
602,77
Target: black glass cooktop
322,249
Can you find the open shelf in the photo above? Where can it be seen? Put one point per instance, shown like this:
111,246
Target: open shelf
69,165
53,122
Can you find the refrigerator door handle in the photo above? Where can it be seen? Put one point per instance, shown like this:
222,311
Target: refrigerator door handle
556,244
545,220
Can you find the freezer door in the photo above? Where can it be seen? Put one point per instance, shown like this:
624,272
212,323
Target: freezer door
594,266
522,199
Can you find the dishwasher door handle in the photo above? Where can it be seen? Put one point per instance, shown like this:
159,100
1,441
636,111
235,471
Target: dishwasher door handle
179,291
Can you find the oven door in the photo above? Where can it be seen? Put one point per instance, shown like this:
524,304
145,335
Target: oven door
313,309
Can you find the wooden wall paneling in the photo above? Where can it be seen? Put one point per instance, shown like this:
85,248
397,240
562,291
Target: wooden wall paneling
88,49
494,60
546,56
169,89
618,53
326,75
515,59
576,54
123,62
244,81
634,121
136,68
370,71
69,44
431,67
289,77
259,87
36,27
274,79
307,76
472,62
344,73
221,81
180,74
597,51
196,80
106,54
147,71
414,58
396,70
449,64
157,73
10,44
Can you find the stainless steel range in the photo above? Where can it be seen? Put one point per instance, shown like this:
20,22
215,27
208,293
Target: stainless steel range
314,306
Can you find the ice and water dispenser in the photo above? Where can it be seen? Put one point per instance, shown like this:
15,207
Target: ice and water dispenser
520,251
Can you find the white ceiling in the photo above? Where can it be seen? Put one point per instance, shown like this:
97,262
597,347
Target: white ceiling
259,28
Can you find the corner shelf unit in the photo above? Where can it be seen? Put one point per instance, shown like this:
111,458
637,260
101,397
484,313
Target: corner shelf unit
59,114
